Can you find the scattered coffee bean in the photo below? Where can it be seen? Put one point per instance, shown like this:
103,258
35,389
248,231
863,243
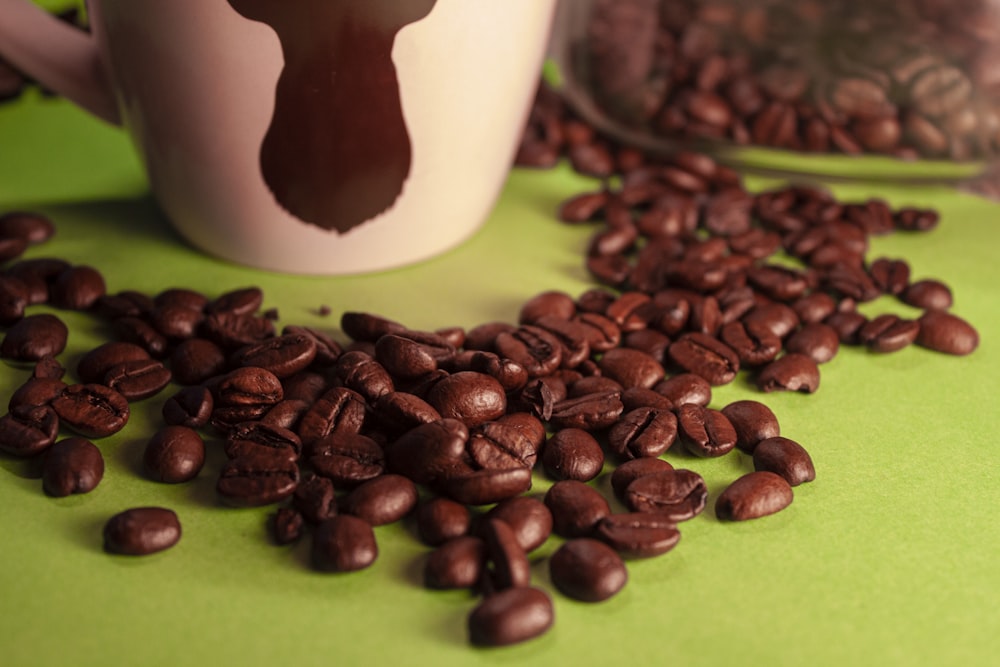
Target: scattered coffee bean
174,454
141,531
73,465
753,422
588,570
754,495
456,563
510,616
638,534
944,332
784,457
344,543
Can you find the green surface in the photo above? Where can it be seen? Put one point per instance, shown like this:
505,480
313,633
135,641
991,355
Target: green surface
888,558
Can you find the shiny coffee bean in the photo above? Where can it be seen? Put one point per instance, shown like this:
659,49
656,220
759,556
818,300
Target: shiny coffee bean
429,452
34,337
344,543
624,474
685,388
459,562
385,499
139,379
509,560
944,332
588,570
348,459
529,518
576,508
72,465
442,519
484,487
96,363
631,368
283,356
496,445
195,360
92,410
753,422
752,496
511,616
677,494
816,340
257,479
790,372
28,430
572,453
315,499
174,454
638,534
705,432
644,432
784,457
191,407
141,531
706,357
888,333
470,397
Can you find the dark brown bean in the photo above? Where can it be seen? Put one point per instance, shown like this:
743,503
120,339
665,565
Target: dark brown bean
174,454
784,457
385,499
928,295
685,388
754,495
470,397
677,494
92,410
638,534
753,422
705,356
141,531
572,453
34,337
576,508
588,570
790,372
72,465
442,519
344,543
529,518
511,568
257,479
314,499
705,432
644,432
138,379
510,617
28,430
888,333
816,340
485,487
944,332
457,563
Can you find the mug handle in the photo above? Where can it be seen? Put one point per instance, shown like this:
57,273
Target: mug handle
57,55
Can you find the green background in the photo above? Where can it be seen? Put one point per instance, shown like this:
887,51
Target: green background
889,557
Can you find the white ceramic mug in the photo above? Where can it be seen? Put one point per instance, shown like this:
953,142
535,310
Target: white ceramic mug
305,136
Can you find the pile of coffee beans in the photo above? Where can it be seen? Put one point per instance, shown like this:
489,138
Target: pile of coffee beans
905,78
450,428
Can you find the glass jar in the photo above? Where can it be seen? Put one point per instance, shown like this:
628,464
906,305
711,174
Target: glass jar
904,90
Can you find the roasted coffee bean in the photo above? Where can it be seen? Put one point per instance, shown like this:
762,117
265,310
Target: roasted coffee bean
195,360
527,424
644,432
590,412
347,458
35,392
459,562
814,307
382,500
257,479
127,303
528,517
344,543
638,534
72,465
176,322
472,398
944,332
367,326
430,451
360,372
404,358
14,297
847,324
790,372
266,437
327,349
509,559
629,471
96,363
631,368
289,526
496,445
888,333
778,282
338,410
92,410
510,616
705,432
928,295
640,397
248,386
191,407
174,454
576,508
48,368
547,304
283,356
677,494
705,356
483,337
180,297
34,337
314,499
753,344
141,333
139,379
572,453
752,496
784,457
484,487
285,413
398,412
753,422
588,570
777,318
28,430
77,288
816,340
892,276
240,301
141,531
442,519
685,388
29,226
601,332
532,348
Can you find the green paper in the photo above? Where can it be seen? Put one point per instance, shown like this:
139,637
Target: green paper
888,558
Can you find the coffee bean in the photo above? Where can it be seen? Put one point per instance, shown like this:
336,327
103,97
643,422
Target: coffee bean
944,332
510,616
385,499
753,344
338,410
28,430
784,457
191,407
685,388
928,295
484,487
576,508
92,410
888,333
547,304
360,372
791,372
440,520
705,356
34,337
348,459
257,479
847,325
638,534
430,451
470,397
459,562
509,559
528,517
629,471
631,368
174,454
77,288
590,412
289,526
678,494
753,422
141,531
705,432
31,227
644,432
96,363
496,445
532,348
195,360
752,496
314,499
344,543
72,465
572,453
815,340
283,356
36,392
240,301
139,379
267,438
588,570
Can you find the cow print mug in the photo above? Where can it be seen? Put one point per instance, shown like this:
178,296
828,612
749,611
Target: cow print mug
315,136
